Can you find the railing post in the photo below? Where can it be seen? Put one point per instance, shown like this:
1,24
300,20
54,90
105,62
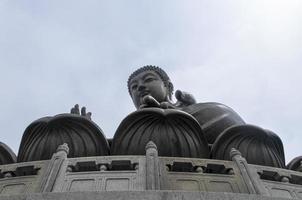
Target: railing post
53,168
250,177
152,167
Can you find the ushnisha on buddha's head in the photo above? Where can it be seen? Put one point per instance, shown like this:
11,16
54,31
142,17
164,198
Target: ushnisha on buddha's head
149,81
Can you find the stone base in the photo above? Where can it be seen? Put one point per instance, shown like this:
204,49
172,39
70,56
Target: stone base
137,195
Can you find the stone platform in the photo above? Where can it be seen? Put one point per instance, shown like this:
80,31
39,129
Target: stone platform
146,177
137,195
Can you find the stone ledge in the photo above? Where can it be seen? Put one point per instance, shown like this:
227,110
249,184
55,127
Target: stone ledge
137,195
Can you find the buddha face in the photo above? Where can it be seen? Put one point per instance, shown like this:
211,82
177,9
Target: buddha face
148,83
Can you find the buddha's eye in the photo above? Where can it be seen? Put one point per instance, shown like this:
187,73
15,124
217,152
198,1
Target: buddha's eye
133,87
149,79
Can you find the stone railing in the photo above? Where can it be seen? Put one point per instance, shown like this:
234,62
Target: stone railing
149,172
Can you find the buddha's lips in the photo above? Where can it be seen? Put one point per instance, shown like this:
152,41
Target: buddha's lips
144,93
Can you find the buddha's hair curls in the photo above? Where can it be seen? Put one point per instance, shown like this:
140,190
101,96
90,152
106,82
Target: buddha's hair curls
163,75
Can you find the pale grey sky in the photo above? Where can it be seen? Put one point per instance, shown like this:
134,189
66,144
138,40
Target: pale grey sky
245,54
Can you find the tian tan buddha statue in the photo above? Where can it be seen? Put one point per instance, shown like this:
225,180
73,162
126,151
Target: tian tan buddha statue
221,127
179,129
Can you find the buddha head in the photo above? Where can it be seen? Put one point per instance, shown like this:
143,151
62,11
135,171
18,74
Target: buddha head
150,80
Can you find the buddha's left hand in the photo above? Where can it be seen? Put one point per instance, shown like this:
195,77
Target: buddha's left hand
149,101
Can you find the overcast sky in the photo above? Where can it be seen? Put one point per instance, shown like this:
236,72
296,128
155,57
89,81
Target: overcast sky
245,54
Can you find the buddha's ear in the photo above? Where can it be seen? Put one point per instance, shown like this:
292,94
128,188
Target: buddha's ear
170,89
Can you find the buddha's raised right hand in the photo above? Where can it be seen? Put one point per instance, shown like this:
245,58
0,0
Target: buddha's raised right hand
76,110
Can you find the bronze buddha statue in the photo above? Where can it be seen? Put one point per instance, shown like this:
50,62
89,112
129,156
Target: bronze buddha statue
150,86
181,129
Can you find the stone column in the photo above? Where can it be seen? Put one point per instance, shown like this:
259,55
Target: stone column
152,167
53,168
250,177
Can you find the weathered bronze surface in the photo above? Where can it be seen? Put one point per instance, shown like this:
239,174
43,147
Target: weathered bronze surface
150,86
259,146
7,156
175,133
295,164
42,137
213,118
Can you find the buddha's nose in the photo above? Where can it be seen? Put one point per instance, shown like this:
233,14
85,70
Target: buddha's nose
141,87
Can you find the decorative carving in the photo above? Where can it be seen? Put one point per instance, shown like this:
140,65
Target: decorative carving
257,146
250,177
152,167
63,148
175,133
7,156
42,137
